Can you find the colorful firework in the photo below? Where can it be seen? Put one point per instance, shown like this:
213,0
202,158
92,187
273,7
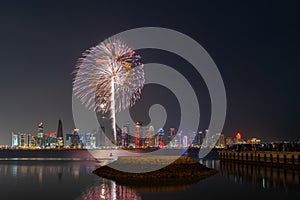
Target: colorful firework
109,77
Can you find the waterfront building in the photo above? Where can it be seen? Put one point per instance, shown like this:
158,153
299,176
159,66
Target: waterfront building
33,142
238,139
197,139
126,134
179,139
171,137
222,140
87,140
92,141
206,138
14,139
75,139
119,137
40,136
151,136
255,140
229,141
160,138
46,140
24,140
68,139
60,135
137,134
202,137
52,140
185,141
123,140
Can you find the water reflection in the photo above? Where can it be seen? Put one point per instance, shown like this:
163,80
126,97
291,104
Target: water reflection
265,177
107,189
32,169
75,180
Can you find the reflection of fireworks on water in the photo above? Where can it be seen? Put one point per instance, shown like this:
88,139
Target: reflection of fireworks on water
109,190
109,77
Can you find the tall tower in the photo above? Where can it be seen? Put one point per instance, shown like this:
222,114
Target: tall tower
151,136
40,135
171,137
60,135
75,139
137,134
161,139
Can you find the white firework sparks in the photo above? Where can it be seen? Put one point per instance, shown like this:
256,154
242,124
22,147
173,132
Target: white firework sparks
109,78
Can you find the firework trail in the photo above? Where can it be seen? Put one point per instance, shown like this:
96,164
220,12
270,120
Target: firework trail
109,78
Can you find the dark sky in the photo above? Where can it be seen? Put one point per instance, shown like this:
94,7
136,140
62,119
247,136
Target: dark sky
255,46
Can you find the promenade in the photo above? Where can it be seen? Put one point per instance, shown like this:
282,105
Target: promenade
267,157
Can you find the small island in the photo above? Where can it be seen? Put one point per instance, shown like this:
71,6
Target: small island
184,170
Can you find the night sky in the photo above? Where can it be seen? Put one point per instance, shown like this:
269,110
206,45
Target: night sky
254,45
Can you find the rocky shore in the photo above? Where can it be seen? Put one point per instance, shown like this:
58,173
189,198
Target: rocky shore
184,170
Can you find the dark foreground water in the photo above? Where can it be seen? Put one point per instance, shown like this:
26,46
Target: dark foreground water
74,180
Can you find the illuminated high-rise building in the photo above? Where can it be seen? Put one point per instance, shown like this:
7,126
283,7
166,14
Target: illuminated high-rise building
179,139
160,138
238,139
92,141
75,139
128,139
151,136
119,137
222,140
60,135
197,139
137,134
88,140
68,139
24,140
185,141
53,140
14,140
47,140
171,137
33,141
123,135
40,136
228,141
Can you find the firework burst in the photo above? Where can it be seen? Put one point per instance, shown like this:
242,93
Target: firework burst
109,78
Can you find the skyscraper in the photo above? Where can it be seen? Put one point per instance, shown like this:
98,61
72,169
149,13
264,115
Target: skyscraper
137,134
14,140
172,137
222,140
24,140
185,141
60,135
126,130
40,136
151,136
75,139
161,138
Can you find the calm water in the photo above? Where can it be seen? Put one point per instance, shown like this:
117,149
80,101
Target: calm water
74,180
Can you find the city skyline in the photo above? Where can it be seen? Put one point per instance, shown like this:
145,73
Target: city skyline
141,134
227,135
